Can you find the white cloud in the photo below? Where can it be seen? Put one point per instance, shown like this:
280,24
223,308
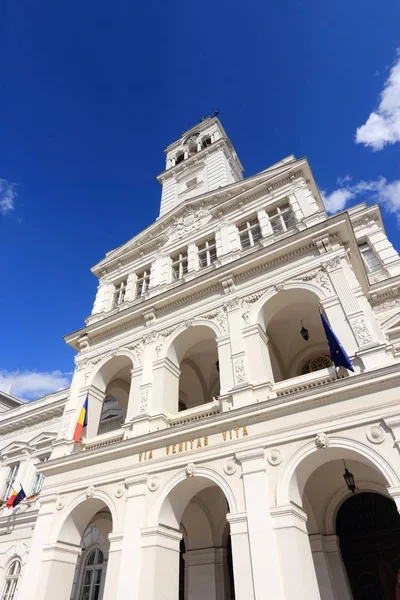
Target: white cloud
7,196
383,125
379,190
29,385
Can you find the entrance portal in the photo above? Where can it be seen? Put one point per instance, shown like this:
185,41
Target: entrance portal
368,526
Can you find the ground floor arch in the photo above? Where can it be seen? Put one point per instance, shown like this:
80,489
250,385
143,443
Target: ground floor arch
74,566
342,554
190,544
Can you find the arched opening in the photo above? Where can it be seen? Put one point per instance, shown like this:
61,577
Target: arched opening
368,526
195,353
109,396
297,342
180,158
10,584
199,565
319,487
80,554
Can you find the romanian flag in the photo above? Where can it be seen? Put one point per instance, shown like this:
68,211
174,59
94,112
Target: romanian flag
10,501
82,421
16,498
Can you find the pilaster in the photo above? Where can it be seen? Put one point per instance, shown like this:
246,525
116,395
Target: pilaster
265,565
241,559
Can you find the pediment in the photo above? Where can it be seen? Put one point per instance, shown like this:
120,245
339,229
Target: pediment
15,448
43,439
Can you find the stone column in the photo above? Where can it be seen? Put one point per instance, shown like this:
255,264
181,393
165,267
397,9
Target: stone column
159,575
58,570
193,264
130,572
262,539
297,567
336,569
200,567
130,288
242,568
113,565
95,406
259,361
165,387
225,364
265,225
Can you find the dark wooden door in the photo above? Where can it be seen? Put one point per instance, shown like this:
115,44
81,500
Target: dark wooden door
368,526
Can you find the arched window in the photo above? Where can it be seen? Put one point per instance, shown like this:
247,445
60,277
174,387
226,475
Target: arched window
316,363
11,580
92,575
111,415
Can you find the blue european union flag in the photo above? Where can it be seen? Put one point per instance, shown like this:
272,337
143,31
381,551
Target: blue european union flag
338,353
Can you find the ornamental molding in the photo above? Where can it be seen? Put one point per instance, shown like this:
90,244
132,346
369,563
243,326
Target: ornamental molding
247,301
230,466
322,441
90,491
40,425
153,484
320,276
270,264
119,490
218,315
365,221
381,305
144,398
361,331
190,470
163,335
331,264
137,349
189,221
376,434
239,370
60,503
274,457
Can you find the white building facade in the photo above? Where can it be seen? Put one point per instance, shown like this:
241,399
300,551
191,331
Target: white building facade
218,429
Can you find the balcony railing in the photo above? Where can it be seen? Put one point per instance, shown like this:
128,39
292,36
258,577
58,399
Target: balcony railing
105,439
195,414
308,381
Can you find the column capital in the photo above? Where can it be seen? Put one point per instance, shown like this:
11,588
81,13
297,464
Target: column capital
164,537
237,522
289,515
252,461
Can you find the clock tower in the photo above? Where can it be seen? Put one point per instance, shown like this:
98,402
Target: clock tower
203,159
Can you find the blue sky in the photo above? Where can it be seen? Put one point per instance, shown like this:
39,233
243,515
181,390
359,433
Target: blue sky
94,91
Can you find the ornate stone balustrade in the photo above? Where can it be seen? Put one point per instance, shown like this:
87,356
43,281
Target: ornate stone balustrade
105,439
195,414
308,381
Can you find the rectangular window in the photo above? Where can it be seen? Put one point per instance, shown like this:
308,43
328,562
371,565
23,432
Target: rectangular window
281,218
179,265
249,233
142,282
371,261
119,293
37,484
191,183
10,481
207,253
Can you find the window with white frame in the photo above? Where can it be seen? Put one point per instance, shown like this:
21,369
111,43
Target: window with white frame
179,265
249,232
10,481
11,580
92,574
119,293
281,218
371,261
142,282
207,253
37,484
